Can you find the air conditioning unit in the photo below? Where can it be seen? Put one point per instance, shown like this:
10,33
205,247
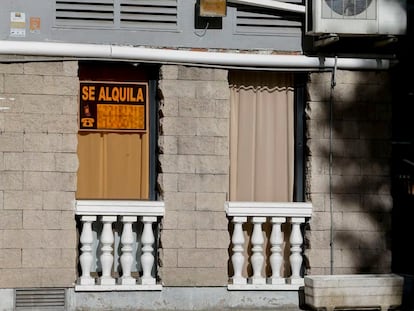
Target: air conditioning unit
356,17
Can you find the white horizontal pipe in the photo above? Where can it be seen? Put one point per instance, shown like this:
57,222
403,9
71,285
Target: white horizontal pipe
53,49
272,4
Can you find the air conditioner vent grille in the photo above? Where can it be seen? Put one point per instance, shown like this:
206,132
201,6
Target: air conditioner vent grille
356,17
349,7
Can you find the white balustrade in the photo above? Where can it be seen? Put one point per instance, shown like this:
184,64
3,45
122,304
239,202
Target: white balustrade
86,258
257,258
296,241
238,258
127,259
104,224
107,259
276,258
286,221
147,258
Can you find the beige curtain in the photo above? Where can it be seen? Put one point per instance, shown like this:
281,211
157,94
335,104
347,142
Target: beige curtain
262,134
113,166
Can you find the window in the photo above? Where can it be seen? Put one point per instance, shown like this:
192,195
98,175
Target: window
116,162
266,137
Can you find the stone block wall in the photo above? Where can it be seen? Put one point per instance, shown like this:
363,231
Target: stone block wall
38,165
194,177
352,197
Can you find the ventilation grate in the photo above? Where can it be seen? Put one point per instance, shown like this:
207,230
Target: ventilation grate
96,13
259,21
40,299
143,14
149,14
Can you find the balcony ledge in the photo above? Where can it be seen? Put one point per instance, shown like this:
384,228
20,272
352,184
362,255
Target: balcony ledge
268,209
120,207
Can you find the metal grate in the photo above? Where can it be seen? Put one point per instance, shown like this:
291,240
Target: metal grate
356,9
149,14
348,8
143,14
84,12
37,299
260,21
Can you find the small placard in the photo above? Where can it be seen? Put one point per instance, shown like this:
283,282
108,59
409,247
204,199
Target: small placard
35,24
17,24
213,8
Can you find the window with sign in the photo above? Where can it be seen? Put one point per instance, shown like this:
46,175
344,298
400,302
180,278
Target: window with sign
117,132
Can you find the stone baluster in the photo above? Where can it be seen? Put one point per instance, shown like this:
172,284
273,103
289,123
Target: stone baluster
86,258
237,258
107,258
127,240
296,259
276,258
147,257
257,258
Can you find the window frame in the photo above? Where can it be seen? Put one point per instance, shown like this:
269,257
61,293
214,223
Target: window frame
300,138
132,72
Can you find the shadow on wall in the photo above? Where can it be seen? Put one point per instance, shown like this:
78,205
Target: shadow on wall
372,190
359,136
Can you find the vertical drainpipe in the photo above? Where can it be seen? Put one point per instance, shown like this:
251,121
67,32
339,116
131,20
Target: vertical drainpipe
331,101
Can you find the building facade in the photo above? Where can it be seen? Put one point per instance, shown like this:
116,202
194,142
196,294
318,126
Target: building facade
169,165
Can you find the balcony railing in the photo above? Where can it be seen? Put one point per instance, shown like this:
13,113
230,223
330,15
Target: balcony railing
118,244
267,244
